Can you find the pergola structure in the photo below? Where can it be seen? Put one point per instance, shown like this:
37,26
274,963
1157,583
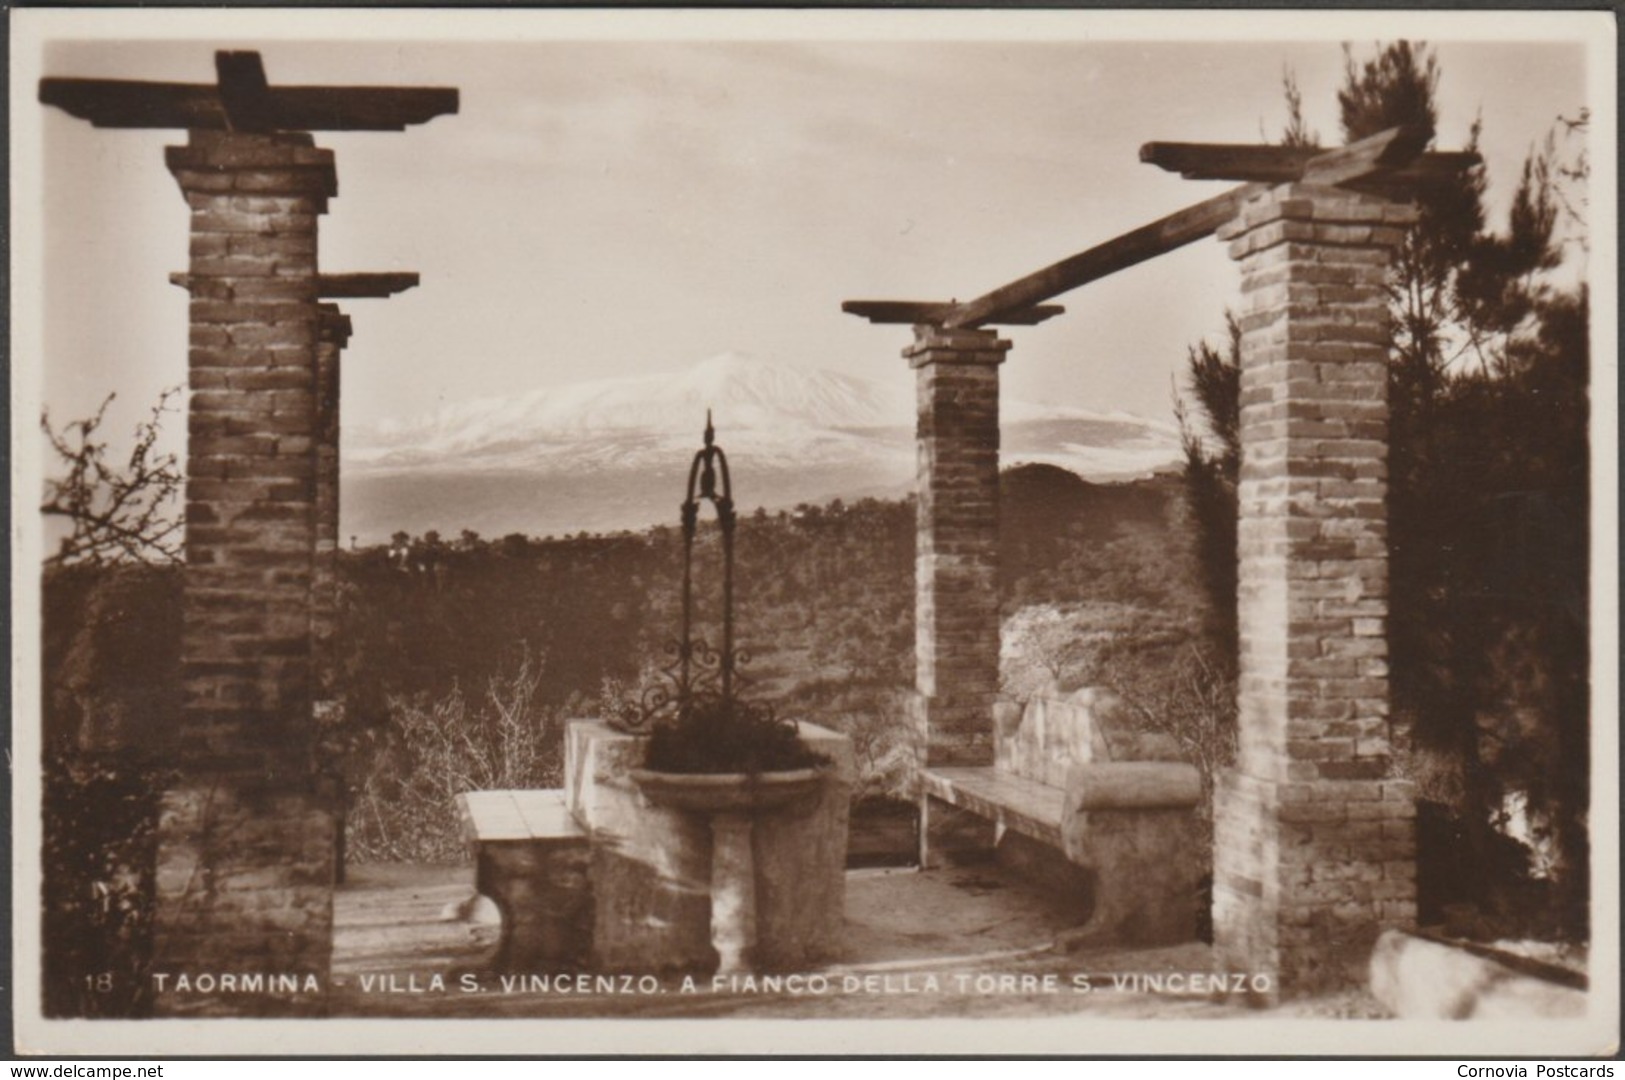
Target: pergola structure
249,835
1314,846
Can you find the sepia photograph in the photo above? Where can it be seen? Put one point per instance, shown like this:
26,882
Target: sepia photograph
812,532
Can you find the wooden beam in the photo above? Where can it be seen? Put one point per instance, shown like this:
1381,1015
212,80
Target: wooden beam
243,102
361,286
1146,242
1229,161
1376,153
242,90
1283,164
1368,158
112,103
344,286
359,108
120,103
915,312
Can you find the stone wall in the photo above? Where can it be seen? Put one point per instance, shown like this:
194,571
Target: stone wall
1043,738
246,837
1314,844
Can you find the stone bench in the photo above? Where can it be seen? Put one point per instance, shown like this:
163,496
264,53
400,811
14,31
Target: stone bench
1133,825
1068,776
533,860
1030,807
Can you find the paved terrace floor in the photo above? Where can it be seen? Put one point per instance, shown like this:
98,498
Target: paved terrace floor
969,942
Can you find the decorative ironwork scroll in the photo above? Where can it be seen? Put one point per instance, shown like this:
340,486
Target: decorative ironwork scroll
695,668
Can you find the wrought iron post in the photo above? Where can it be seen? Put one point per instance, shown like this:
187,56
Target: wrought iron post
708,460
696,668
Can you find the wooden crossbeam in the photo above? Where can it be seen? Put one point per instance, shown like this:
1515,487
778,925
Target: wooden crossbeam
1026,293
243,90
120,103
1283,164
242,101
1380,152
363,286
1379,157
379,285
915,312
1146,242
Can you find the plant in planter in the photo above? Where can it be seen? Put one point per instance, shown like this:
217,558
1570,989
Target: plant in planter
725,735
724,757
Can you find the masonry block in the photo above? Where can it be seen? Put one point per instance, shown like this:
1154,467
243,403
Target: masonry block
1299,889
245,891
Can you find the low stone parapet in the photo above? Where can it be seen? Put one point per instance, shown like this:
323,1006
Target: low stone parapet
1417,978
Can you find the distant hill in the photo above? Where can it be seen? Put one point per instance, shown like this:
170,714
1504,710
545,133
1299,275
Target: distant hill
612,454
1044,510
1051,500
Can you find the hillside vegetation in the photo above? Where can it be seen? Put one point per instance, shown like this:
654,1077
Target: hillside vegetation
447,645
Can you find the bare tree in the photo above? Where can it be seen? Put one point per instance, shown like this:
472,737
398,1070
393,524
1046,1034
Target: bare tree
117,511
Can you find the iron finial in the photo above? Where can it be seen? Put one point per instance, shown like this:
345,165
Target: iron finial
710,432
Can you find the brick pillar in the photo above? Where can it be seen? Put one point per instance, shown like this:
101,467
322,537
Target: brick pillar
956,614
332,334
245,865
1314,848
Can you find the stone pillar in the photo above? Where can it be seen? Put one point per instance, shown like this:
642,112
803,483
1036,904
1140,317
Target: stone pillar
245,863
1314,848
956,614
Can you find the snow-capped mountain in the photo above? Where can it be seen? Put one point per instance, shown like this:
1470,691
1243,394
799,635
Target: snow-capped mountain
613,453
748,394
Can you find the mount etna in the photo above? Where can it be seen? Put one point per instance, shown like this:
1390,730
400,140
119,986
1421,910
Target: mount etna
610,454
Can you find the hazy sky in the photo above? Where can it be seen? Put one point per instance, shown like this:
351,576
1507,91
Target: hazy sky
604,208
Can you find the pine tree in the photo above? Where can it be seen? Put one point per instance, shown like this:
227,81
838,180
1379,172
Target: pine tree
1210,479
1487,392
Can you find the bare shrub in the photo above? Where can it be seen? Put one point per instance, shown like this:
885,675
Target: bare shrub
1037,647
883,750
434,749
116,511
1174,685
625,701
1059,648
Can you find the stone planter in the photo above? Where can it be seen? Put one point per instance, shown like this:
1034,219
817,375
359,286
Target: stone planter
652,863
727,793
732,803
